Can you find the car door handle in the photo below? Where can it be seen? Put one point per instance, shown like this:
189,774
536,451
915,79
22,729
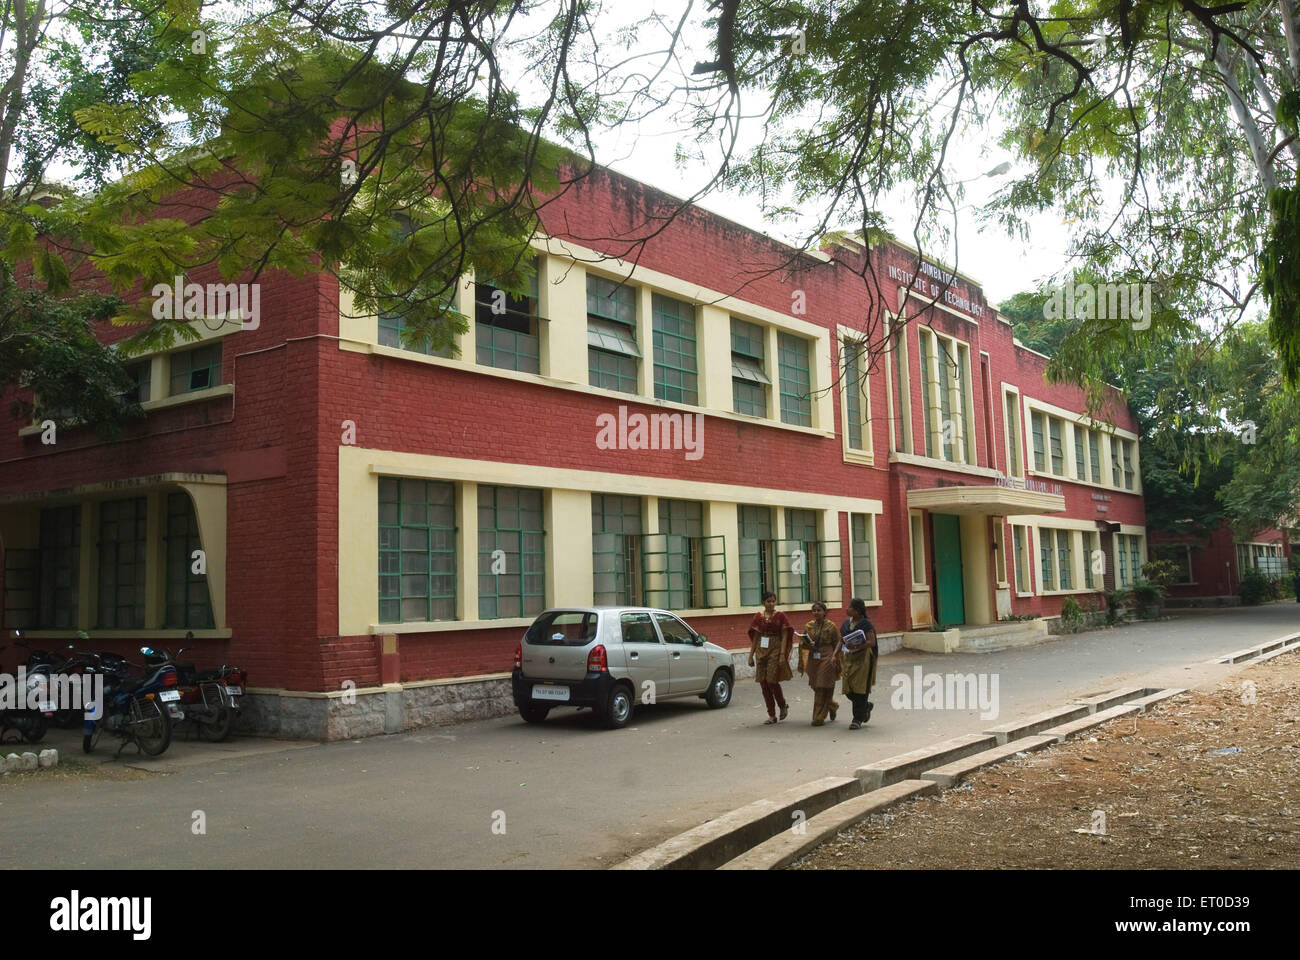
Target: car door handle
676,655
633,655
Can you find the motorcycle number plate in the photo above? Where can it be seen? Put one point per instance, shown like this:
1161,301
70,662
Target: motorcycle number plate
235,691
169,695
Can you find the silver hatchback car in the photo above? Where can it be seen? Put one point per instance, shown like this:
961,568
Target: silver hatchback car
609,658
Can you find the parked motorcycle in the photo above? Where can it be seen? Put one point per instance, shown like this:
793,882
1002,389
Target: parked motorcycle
23,723
210,698
138,710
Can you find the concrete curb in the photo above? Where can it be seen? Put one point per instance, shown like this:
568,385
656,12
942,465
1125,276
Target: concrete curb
727,837
906,766
1066,730
1250,653
1115,697
1027,726
1152,699
951,774
788,846
1289,648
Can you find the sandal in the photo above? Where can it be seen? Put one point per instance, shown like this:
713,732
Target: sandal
769,720
855,725
785,712
834,710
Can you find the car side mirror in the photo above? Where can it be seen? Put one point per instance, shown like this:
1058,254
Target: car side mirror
699,639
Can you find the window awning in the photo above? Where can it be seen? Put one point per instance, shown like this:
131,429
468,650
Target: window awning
743,368
992,500
611,335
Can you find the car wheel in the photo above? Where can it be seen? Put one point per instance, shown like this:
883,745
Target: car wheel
618,707
533,712
719,694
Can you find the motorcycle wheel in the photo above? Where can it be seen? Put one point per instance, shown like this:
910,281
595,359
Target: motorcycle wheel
35,729
218,729
151,728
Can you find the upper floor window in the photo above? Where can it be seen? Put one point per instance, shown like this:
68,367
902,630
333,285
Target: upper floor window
612,352
1116,466
946,392
856,405
1012,423
140,372
392,326
1094,456
796,382
1127,447
506,327
749,380
676,369
1039,426
193,370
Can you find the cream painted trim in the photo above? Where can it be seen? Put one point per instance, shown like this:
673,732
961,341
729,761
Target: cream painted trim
917,585
980,501
151,633
1007,390
917,461
1055,522
446,626
107,488
393,464
628,398
875,560
1073,416
854,454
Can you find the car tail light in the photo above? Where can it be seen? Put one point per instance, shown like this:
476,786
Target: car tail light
169,678
519,656
596,660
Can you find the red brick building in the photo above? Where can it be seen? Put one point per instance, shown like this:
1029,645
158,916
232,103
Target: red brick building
1210,568
368,528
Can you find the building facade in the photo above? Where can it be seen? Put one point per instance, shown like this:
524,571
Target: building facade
1210,568
368,528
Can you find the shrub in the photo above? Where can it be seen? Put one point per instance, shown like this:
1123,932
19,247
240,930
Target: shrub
1071,612
1115,600
1254,588
1147,595
1163,572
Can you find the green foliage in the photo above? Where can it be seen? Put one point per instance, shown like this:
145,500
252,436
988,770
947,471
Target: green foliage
1071,612
1256,588
1115,602
1279,275
1161,572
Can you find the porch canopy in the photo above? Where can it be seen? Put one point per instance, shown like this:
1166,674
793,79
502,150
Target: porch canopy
992,500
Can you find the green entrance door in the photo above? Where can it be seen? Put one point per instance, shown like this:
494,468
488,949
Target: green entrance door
947,570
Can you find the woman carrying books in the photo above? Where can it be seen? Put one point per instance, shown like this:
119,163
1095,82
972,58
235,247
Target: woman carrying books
770,639
859,638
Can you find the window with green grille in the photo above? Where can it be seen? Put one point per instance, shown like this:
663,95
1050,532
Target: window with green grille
749,379
1046,548
682,568
616,549
757,553
186,602
1065,558
612,351
417,550
60,552
392,328
1129,472
506,330
141,373
1080,461
122,563
676,370
1040,449
1115,465
854,385
193,370
1011,421
947,426
1018,535
1089,554
1054,430
800,558
511,541
1094,453
796,384
927,401
864,582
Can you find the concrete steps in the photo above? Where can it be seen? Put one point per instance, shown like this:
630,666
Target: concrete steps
985,638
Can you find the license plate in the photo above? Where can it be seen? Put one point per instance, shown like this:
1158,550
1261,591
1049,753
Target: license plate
548,692
167,695
235,691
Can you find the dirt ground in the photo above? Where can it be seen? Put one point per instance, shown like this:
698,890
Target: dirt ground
1166,798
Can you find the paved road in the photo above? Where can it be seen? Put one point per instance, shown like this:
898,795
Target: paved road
571,795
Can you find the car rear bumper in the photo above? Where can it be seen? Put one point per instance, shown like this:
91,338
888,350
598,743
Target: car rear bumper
591,691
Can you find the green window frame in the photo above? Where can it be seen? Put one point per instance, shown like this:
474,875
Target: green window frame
1040,448
926,341
616,530
186,600
141,374
22,588
1046,549
795,379
757,553
1080,461
392,326
121,575
511,519
861,532
60,563
854,386
613,355
676,367
1115,465
749,379
194,370
508,338
1094,452
1129,472
1011,423
1121,557
417,550
1065,559
682,568
1018,538
1089,549
1055,427
947,373
1135,555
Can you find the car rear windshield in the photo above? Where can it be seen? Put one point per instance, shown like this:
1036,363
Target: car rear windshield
563,628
